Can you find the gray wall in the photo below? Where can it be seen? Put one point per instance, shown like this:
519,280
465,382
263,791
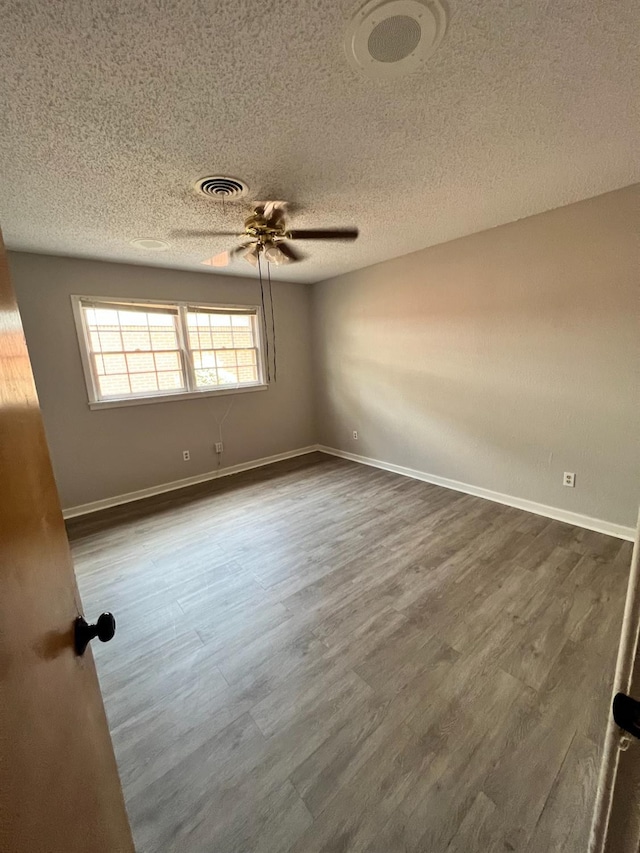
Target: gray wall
500,360
99,454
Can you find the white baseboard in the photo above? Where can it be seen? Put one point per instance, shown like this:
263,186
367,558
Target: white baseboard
578,520
568,517
106,503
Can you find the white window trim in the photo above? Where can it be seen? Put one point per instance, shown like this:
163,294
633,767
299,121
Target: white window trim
93,396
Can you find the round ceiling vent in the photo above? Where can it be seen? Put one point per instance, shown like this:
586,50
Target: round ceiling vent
390,38
150,245
222,188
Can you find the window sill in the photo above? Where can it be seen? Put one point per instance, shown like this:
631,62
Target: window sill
171,398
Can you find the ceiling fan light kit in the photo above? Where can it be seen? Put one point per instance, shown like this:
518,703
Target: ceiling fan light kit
251,254
387,39
274,255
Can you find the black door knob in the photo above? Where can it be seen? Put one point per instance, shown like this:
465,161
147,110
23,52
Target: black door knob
104,629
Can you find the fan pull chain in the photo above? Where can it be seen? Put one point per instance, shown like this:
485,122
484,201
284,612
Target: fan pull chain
264,320
273,327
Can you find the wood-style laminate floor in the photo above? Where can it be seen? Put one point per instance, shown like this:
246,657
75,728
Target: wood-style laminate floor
321,656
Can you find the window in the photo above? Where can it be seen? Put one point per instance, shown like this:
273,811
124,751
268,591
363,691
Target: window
144,351
223,347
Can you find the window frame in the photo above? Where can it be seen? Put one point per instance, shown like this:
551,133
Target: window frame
181,309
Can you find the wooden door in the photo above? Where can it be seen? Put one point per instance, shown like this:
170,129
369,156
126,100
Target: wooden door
616,823
59,785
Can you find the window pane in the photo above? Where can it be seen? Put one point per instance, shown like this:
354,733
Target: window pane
114,386
194,318
129,346
167,361
135,316
248,374
226,358
105,317
221,337
210,377
201,338
94,342
246,356
208,331
141,362
226,342
163,339
110,340
135,338
228,376
170,381
114,363
206,378
143,383
241,320
242,338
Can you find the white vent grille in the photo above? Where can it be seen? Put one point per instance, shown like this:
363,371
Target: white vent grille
221,188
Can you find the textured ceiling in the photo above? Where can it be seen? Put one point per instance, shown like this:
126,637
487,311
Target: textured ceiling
113,110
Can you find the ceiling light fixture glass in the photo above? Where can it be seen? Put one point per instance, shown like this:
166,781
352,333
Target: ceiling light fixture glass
252,254
149,244
274,255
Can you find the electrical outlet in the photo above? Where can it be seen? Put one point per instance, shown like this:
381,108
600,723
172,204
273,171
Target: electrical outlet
219,447
569,479
186,455
355,434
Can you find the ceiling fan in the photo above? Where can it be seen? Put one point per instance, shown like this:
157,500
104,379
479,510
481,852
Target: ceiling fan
266,233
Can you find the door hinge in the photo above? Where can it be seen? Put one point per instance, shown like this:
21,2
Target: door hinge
626,713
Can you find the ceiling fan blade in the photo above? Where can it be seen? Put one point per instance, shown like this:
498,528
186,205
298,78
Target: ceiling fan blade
196,233
239,249
323,234
290,253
